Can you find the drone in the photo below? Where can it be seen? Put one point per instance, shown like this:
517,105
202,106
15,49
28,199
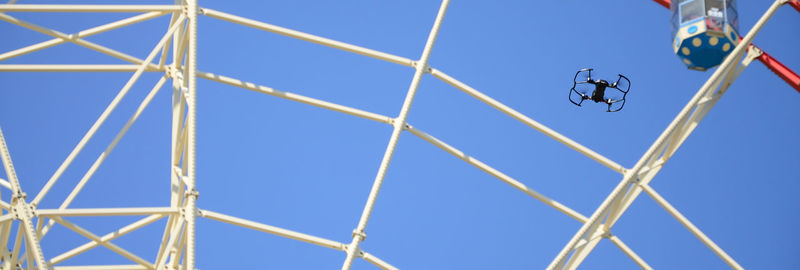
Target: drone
583,83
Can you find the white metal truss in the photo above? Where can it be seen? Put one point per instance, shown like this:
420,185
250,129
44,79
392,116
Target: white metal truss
177,246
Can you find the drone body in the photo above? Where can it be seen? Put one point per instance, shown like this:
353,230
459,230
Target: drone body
583,83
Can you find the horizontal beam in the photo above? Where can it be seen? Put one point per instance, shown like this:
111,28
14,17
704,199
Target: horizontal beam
5,183
89,8
101,267
109,245
105,239
308,37
272,230
82,34
295,97
78,212
76,68
497,174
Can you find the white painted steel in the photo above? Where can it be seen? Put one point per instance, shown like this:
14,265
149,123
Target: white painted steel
22,208
88,8
104,239
595,220
308,37
83,212
528,121
109,245
81,34
177,247
111,106
295,97
272,230
190,209
76,68
399,124
691,227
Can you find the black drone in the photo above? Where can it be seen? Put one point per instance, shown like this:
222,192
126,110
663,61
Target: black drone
583,83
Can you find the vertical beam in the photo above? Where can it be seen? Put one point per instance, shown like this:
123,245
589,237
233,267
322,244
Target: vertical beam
23,209
191,207
399,124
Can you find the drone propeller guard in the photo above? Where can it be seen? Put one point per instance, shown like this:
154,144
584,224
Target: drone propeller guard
583,83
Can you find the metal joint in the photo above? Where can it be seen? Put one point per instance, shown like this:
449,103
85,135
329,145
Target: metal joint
362,234
192,192
18,196
426,69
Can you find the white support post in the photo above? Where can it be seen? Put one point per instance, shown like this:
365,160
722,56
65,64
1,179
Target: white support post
399,124
191,126
632,176
23,210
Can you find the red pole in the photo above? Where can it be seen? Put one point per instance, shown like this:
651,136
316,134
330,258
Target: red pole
795,4
782,71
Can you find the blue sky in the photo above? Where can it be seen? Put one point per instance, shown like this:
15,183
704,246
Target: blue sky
309,170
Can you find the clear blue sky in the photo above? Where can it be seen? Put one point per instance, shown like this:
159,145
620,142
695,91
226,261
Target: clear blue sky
307,169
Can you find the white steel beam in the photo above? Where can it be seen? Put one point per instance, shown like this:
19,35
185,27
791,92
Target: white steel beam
628,251
81,34
5,183
88,8
111,106
295,97
497,174
377,261
308,37
633,175
105,239
100,159
22,209
83,212
691,227
109,245
101,267
398,125
190,209
272,230
78,41
74,68
168,246
528,121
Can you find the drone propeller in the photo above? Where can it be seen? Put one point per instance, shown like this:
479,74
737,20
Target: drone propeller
583,75
622,84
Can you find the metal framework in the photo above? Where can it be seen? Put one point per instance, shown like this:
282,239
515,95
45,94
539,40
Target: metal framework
177,248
